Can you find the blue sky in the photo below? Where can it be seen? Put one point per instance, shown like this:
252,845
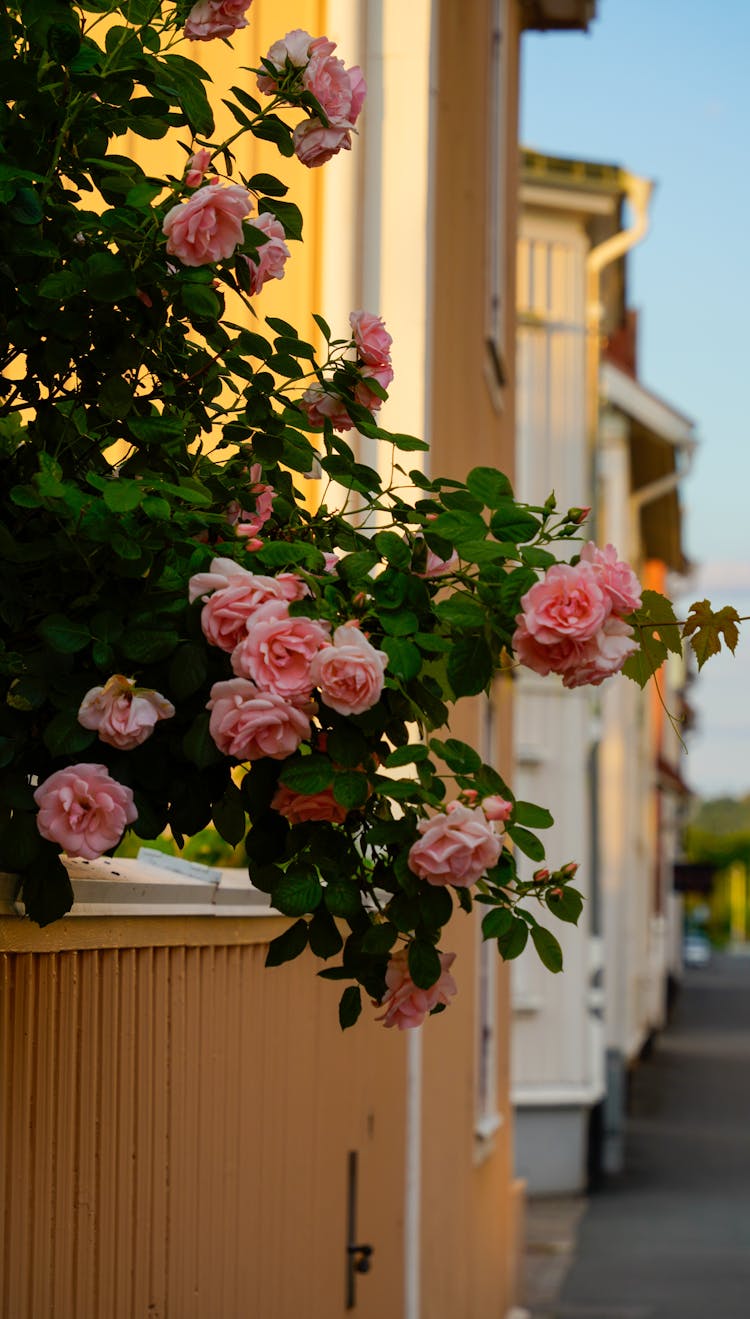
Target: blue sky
661,87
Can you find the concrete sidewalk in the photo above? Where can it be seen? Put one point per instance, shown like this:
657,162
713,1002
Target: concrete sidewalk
670,1238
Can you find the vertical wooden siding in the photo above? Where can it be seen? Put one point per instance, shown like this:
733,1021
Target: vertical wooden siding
174,1134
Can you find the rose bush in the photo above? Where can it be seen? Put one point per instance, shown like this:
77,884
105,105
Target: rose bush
288,667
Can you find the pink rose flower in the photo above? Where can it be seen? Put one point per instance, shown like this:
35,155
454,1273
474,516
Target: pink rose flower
249,724
349,672
272,256
216,18
296,807
249,524
367,397
122,714
372,340
226,614
578,662
331,563
208,226
497,808
318,404
293,49
314,144
567,604
83,810
359,91
278,651
225,572
197,166
339,91
456,848
614,576
602,655
405,1004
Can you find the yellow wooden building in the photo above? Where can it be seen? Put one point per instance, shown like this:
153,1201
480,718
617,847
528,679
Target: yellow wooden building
184,1134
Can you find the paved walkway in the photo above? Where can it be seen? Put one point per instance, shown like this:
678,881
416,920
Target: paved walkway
670,1239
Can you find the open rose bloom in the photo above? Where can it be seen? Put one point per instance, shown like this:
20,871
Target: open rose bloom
250,724
406,1005
211,19
122,714
457,847
84,810
208,226
571,621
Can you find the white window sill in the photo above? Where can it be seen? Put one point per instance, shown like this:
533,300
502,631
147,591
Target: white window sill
148,887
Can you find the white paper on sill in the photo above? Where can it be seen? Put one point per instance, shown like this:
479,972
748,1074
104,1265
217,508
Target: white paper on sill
151,856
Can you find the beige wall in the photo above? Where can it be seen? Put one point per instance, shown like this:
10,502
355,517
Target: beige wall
174,1132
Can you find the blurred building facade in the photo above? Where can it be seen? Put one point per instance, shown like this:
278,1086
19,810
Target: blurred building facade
604,760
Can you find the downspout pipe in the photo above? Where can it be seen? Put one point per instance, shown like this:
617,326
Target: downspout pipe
638,193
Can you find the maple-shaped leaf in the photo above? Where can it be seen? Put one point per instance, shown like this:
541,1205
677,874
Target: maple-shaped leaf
657,631
706,626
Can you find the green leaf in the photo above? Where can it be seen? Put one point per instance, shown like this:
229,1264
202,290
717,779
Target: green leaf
188,670
705,627
657,631
469,666
356,567
288,945
109,278
201,302
289,215
393,548
265,183
121,496
308,774
323,326
65,635
435,906
459,526
462,611
350,1006
489,485
379,939
511,523
512,943
567,905
198,745
25,208
325,937
47,891
407,755
535,817
146,647
20,842
347,746
342,897
228,814
64,736
424,963
458,756
351,789
549,950
404,658
299,891
528,843
497,922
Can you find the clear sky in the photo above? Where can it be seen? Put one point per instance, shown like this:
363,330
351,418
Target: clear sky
662,87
